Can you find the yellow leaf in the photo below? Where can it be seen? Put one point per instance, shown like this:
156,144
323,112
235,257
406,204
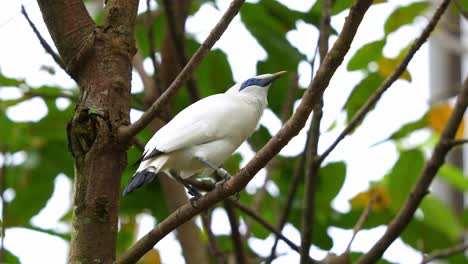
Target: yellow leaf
438,117
362,199
387,66
151,257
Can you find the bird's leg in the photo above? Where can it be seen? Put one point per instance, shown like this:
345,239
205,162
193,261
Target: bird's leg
191,189
221,173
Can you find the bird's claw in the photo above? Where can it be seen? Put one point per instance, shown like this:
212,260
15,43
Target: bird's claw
235,197
220,182
193,191
193,201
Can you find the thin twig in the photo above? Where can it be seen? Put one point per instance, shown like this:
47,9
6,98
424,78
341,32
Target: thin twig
43,42
312,162
213,246
404,216
364,110
458,142
289,202
443,253
127,132
260,196
178,41
239,251
461,8
265,224
264,155
152,53
362,220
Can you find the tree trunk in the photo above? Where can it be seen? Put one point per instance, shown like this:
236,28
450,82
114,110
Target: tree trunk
99,59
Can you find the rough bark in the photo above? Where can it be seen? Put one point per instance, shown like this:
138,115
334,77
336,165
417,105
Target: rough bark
99,58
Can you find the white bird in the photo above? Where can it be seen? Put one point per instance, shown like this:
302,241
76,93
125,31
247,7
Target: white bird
204,135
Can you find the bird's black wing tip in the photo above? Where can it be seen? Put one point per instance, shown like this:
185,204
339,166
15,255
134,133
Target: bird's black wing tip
139,179
154,153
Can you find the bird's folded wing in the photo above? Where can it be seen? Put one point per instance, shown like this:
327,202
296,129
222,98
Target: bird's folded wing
202,122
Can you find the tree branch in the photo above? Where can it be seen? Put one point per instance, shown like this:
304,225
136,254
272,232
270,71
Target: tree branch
178,40
289,201
405,214
127,132
461,8
361,221
71,28
235,184
312,161
156,78
268,226
43,42
236,237
443,253
213,246
367,107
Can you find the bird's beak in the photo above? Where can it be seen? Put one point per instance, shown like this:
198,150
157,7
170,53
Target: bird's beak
278,74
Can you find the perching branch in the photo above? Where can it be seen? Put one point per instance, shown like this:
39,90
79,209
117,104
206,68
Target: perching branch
43,42
128,132
443,253
365,109
235,184
405,214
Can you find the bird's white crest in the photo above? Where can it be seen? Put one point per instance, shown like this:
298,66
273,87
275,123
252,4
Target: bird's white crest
211,129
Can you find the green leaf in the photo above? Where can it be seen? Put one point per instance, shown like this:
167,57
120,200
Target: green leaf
141,33
5,81
269,21
436,227
440,217
331,179
403,175
214,74
9,258
409,128
361,94
33,182
315,13
404,15
454,176
259,138
366,54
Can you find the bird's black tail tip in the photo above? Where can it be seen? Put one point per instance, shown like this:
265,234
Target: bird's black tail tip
139,179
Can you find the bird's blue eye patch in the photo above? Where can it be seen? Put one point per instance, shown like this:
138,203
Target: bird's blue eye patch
254,81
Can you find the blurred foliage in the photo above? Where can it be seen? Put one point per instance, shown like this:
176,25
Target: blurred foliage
42,145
